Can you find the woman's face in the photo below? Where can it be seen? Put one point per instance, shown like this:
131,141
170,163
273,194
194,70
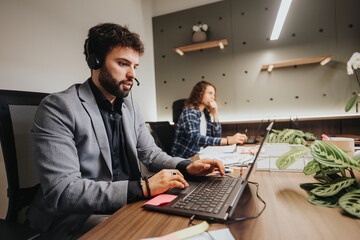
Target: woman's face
209,96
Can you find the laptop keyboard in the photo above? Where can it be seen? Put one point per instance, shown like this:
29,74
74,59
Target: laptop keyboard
209,196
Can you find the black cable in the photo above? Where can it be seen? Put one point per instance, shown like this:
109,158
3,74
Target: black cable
233,220
191,220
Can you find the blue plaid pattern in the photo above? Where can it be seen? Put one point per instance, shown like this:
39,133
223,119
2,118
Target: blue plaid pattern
187,141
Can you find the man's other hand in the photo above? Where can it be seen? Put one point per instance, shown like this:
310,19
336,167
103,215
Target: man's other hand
205,166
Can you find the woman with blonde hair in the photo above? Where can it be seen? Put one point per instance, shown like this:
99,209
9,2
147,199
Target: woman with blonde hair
198,125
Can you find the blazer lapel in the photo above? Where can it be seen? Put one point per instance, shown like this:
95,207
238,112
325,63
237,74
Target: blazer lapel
88,101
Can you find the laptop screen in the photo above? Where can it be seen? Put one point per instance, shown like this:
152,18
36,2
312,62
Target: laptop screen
258,152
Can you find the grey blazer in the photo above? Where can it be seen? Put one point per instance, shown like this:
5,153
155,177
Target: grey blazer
73,159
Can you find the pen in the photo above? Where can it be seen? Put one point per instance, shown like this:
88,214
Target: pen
226,171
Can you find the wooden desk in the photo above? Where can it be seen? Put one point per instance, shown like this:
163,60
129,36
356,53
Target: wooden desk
288,215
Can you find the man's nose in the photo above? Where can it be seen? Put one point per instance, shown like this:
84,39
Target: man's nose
131,74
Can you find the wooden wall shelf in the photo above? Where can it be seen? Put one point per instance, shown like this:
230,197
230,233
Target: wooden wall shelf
203,45
299,61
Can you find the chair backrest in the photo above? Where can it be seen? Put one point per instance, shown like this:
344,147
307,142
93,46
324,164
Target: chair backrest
17,111
177,108
163,133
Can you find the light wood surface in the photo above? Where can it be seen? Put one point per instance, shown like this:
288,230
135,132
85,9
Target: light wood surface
288,215
299,61
203,45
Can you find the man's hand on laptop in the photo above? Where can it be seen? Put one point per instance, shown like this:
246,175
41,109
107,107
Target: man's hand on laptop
164,180
205,166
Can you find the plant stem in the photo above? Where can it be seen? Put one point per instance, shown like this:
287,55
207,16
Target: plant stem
342,170
323,173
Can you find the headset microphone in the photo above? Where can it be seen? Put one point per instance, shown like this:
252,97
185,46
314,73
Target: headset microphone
138,83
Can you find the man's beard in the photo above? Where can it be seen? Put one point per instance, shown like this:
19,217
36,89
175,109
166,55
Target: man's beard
110,84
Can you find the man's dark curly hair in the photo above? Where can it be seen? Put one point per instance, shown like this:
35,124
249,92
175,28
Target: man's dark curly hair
102,38
197,93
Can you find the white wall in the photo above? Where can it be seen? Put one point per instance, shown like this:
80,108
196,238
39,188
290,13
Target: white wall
42,43
41,48
167,6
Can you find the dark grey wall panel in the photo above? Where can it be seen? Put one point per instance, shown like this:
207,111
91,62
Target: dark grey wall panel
312,28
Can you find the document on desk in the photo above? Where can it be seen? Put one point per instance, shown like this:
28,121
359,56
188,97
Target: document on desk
249,150
218,149
220,234
233,158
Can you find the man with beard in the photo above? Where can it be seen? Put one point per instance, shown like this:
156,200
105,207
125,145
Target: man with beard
195,128
89,141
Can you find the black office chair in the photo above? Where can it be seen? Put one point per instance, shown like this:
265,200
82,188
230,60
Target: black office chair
17,110
163,133
177,108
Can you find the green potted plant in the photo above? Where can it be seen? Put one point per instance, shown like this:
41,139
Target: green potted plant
336,184
352,66
291,136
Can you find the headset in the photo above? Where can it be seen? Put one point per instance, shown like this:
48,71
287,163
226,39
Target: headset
92,60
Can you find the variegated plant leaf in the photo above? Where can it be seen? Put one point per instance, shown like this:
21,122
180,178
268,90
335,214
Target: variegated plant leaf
350,202
299,133
286,136
356,158
333,188
309,186
271,138
328,171
311,167
285,160
297,140
304,142
324,202
275,131
330,155
351,103
330,175
310,136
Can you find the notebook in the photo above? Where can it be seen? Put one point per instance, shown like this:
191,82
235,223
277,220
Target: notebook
213,198
251,140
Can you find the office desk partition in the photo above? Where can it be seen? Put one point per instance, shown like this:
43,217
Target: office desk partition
288,215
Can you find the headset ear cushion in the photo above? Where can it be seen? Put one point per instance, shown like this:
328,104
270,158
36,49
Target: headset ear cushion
93,62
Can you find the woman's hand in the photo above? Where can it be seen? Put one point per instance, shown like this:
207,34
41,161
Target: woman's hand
214,110
205,166
238,138
213,106
163,180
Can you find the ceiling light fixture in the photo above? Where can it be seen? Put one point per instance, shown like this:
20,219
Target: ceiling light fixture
280,19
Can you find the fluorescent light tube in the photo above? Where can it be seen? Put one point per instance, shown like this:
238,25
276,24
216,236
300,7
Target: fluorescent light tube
280,19
179,51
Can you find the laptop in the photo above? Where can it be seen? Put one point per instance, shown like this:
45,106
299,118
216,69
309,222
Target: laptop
212,198
253,140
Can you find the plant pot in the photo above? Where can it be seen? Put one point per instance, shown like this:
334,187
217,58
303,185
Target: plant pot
199,37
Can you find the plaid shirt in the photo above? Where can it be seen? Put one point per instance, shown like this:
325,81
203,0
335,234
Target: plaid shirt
187,141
